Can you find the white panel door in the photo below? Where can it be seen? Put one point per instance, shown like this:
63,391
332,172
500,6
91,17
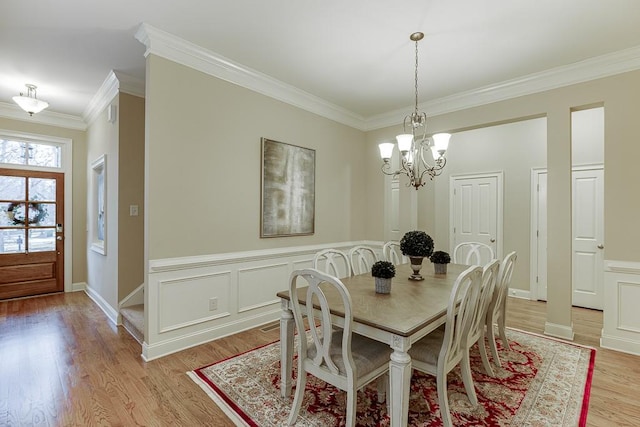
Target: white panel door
475,210
588,242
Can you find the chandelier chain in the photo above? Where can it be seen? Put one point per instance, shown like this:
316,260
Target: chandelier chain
416,79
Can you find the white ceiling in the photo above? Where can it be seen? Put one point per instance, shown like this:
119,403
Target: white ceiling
355,54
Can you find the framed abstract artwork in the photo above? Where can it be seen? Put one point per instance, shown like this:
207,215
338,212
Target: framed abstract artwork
288,190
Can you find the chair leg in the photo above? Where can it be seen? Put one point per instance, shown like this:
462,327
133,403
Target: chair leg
352,400
492,341
485,359
297,400
465,367
443,400
503,333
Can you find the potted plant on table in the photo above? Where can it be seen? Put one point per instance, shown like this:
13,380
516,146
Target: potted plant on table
416,245
383,272
440,259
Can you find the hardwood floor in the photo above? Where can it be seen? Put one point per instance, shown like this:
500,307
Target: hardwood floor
63,364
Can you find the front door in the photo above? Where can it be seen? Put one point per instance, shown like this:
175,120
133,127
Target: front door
31,233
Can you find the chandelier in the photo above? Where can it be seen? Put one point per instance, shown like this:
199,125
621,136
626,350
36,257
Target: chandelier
30,103
414,143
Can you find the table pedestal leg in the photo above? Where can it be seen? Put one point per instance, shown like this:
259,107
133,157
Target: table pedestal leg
286,349
399,385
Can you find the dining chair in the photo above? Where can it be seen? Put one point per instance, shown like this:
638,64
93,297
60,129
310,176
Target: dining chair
337,356
473,253
440,351
477,330
391,252
362,258
332,261
498,307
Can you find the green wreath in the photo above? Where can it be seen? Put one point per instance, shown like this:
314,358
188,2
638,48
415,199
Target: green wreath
41,213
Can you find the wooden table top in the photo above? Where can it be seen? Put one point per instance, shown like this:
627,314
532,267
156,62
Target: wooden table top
409,307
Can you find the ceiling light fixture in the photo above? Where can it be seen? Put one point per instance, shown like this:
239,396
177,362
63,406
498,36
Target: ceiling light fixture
30,103
413,145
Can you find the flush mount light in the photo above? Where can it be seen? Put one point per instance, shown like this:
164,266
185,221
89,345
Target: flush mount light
29,102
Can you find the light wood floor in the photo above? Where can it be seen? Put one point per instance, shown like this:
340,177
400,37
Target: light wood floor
62,364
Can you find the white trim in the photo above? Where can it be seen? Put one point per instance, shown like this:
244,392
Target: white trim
183,52
170,264
115,83
625,267
533,231
559,331
79,286
11,111
519,293
111,313
620,344
66,168
183,342
136,297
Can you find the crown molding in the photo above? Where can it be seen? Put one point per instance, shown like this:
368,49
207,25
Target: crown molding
579,72
175,49
11,111
186,53
115,83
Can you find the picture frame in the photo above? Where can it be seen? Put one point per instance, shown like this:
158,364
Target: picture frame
288,190
99,206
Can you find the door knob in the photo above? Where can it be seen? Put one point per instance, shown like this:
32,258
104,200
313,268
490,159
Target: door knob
492,240
59,238
600,246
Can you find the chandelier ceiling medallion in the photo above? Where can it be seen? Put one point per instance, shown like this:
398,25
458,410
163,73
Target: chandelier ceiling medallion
30,103
413,143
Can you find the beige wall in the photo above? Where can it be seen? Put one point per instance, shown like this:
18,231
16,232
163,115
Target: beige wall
102,270
203,165
619,95
130,192
79,192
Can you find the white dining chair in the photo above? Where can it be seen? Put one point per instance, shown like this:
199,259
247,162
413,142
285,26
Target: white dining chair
440,351
473,253
498,307
477,330
362,259
391,252
332,261
337,356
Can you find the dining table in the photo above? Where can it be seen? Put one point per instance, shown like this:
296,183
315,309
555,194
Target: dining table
410,311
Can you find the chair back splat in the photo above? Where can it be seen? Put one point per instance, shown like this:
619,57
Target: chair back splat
362,259
335,355
333,262
473,253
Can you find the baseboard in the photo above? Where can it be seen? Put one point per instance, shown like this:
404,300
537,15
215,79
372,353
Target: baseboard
519,293
164,348
559,331
620,344
111,313
80,286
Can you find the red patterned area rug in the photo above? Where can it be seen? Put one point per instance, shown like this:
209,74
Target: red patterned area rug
542,382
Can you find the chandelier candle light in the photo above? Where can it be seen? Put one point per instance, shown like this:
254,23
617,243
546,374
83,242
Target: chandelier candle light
412,146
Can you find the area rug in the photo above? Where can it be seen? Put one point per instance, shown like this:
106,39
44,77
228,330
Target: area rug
542,382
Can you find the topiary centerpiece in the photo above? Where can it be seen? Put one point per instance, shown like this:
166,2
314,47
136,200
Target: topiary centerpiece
416,245
383,272
440,259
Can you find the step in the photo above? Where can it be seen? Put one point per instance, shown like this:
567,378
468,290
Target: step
133,321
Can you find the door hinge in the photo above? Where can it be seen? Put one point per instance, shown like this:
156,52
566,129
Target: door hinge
537,233
536,279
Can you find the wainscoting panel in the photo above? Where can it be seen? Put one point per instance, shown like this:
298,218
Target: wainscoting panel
179,312
194,292
621,325
257,286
